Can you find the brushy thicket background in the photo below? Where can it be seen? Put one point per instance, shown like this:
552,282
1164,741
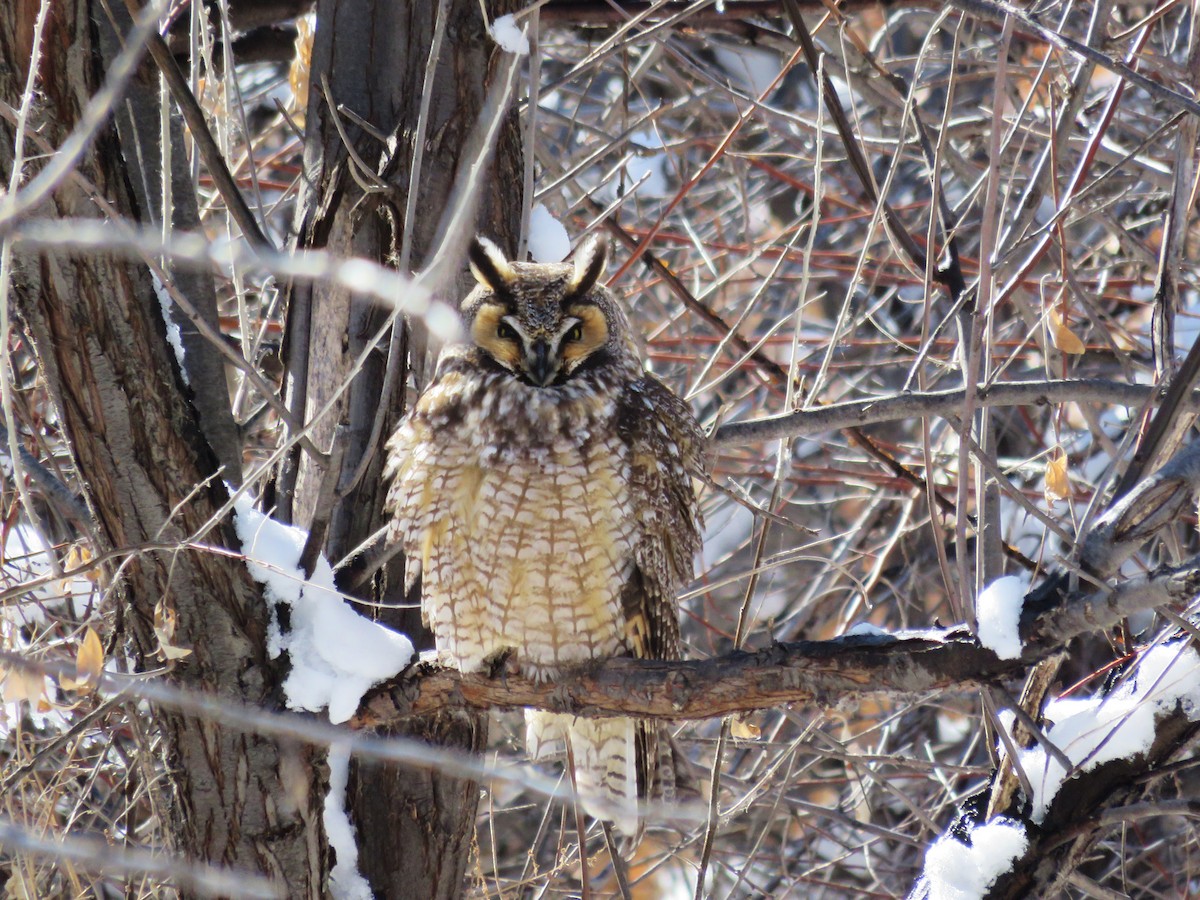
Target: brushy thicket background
769,279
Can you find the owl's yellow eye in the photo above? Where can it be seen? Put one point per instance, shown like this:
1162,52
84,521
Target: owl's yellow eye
506,332
576,333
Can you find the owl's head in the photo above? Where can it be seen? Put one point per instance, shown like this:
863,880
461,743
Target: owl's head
544,322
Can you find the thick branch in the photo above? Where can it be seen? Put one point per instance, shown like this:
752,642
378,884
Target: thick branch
151,478
825,672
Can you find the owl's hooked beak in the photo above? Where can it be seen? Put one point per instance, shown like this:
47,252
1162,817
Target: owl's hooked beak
542,365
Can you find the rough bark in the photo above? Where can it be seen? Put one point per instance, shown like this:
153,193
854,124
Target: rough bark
415,828
237,799
844,670
138,129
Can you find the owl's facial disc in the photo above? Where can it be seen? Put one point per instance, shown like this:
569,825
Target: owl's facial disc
587,333
542,356
542,360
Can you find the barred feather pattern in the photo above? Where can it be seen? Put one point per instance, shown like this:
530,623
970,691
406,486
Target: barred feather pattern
552,525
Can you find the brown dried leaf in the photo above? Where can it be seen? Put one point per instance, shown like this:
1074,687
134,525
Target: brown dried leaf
19,683
1058,485
81,555
1063,337
165,620
89,663
744,730
301,63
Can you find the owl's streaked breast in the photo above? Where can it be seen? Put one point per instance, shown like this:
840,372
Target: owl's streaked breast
521,518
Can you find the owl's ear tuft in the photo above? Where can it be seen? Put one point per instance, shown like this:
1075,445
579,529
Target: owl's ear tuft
489,265
590,259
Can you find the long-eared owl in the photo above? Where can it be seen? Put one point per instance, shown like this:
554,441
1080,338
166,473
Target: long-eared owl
542,489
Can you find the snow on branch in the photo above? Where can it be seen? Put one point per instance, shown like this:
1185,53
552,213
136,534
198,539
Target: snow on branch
1113,743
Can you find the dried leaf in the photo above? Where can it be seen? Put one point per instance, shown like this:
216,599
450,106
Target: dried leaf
1063,337
744,730
301,63
165,620
20,683
19,886
89,663
1058,485
172,653
78,556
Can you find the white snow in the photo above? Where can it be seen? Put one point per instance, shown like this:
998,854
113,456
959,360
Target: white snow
548,238
508,35
345,881
1089,732
863,628
1097,730
336,654
651,166
754,67
26,565
998,613
174,338
954,871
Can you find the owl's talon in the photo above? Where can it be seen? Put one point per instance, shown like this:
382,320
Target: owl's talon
500,663
430,658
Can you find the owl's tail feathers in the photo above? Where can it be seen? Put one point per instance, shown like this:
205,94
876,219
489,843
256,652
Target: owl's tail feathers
619,764
606,763
667,776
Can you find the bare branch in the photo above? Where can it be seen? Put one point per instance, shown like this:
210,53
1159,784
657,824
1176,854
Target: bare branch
826,672
205,142
932,404
998,10
99,855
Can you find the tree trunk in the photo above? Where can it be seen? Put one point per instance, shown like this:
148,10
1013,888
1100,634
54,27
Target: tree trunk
138,121
414,828
236,799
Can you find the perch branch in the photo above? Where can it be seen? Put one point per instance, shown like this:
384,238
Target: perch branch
830,672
